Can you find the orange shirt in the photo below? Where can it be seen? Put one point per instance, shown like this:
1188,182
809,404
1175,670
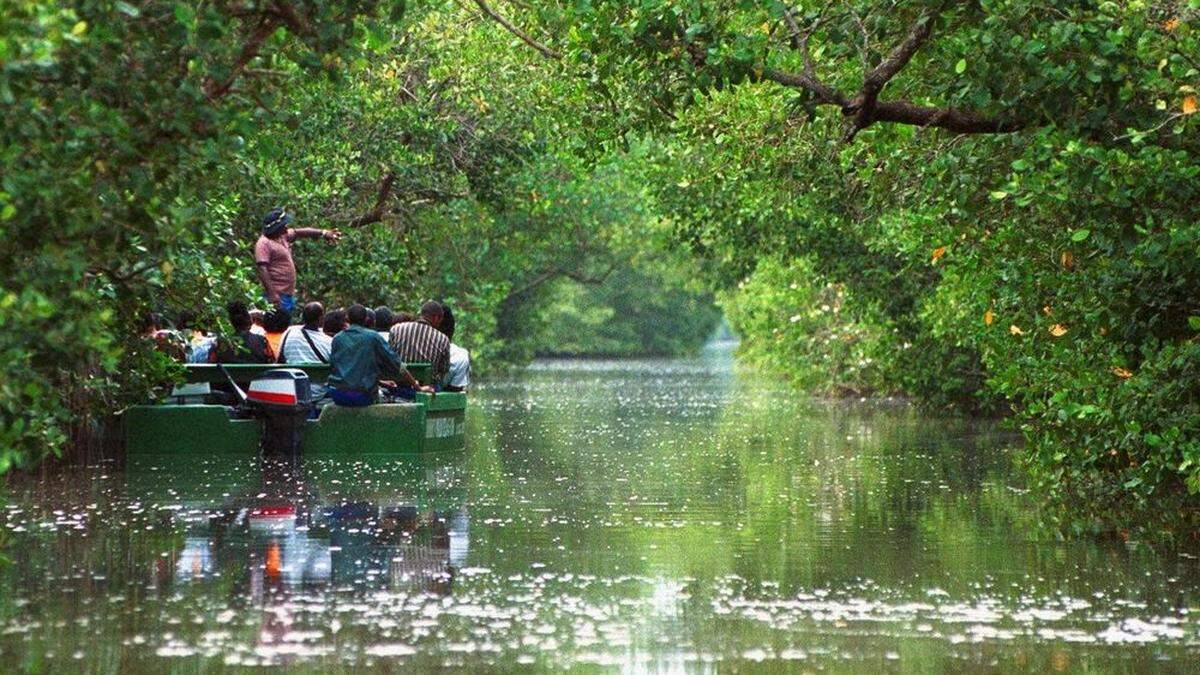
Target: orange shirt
274,340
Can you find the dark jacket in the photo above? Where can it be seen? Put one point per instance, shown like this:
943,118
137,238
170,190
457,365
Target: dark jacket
357,359
242,347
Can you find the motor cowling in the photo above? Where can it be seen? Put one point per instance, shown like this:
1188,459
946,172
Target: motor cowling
282,398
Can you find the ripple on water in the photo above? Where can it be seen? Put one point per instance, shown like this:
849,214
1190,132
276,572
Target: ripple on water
656,514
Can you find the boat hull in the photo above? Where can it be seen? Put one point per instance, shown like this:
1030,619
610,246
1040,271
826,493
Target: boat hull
429,424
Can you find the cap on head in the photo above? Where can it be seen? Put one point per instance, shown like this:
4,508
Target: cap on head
275,222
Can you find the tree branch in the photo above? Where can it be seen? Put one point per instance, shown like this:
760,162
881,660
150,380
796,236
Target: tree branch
532,284
590,280
510,27
376,214
266,26
951,119
825,94
863,105
798,37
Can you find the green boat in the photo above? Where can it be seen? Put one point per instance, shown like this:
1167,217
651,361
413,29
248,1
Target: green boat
185,424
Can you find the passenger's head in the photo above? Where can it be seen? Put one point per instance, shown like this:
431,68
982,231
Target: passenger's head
334,323
370,322
313,313
239,316
257,316
384,317
404,317
447,326
151,323
431,311
187,318
277,321
357,315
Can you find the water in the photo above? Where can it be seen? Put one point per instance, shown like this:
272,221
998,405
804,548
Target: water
647,516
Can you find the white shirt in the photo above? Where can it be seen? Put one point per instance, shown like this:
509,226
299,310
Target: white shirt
459,374
297,350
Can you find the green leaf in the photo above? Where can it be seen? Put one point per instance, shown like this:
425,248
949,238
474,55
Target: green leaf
1194,322
1080,235
961,66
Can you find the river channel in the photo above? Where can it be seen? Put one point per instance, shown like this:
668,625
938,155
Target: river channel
652,515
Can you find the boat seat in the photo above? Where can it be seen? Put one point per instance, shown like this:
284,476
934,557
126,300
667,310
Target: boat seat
190,393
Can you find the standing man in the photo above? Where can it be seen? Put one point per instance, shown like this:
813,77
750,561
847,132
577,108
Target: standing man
273,256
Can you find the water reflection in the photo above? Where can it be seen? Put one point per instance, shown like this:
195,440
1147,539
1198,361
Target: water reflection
289,525
653,515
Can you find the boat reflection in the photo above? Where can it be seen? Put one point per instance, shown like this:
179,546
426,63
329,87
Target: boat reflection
279,526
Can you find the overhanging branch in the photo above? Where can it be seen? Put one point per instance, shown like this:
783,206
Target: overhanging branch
381,199
512,28
214,89
863,105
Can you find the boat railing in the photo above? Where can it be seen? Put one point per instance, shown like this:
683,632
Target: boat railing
242,373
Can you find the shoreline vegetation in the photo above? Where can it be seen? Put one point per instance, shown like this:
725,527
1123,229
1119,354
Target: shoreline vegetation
988,207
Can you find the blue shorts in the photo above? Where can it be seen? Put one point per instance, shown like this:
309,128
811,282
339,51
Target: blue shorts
286,302
350,398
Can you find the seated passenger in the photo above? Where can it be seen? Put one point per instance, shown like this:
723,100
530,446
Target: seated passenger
276,322
258,317
334,323
166,341
306,343
459,376
244,346
197,343
357,359
420,340
384,320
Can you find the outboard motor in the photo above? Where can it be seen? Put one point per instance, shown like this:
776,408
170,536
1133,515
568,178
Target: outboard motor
282,398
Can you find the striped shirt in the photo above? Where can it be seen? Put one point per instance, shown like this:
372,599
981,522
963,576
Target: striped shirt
295,346
417,341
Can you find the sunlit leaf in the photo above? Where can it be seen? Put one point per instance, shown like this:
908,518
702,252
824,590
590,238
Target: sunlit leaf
1015,330
1122,373
1058,330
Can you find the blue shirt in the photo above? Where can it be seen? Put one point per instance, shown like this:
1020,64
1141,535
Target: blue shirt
358,357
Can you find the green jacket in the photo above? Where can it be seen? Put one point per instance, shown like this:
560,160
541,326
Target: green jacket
357,359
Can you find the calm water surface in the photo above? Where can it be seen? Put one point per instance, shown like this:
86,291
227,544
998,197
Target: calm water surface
647,516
